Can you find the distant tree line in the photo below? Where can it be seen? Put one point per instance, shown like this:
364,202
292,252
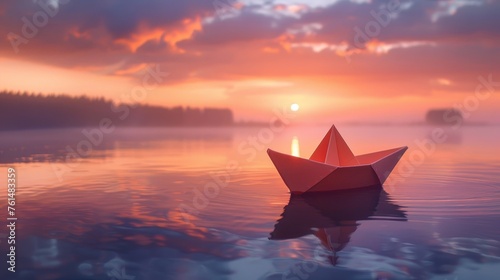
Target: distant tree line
36,111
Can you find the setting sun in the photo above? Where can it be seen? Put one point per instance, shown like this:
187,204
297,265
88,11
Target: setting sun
295,107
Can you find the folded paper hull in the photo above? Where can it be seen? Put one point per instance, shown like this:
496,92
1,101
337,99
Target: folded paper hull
334,167
306,175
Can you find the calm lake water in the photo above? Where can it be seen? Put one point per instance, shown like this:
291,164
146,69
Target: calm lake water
209,204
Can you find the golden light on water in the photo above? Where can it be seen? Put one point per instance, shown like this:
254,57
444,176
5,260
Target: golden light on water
295,147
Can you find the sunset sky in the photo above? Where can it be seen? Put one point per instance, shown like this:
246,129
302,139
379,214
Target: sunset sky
340,60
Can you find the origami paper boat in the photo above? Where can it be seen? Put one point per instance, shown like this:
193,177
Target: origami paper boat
333,166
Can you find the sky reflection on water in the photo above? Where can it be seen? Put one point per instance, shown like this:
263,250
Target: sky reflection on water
120,213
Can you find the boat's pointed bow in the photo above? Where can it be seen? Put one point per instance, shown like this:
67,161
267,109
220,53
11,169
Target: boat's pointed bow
384,166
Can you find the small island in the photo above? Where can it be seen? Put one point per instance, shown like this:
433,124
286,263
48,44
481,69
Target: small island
445,116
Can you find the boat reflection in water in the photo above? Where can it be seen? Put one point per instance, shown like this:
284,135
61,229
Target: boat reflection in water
333,216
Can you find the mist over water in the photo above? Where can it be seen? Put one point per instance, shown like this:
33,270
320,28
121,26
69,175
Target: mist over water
207,203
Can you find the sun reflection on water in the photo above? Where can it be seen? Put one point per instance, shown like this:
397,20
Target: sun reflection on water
295,146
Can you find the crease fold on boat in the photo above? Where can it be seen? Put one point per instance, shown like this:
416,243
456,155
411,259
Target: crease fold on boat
333,166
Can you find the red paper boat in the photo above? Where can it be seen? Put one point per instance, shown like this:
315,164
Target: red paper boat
333,166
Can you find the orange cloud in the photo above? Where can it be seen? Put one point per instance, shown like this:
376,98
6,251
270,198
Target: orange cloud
171,35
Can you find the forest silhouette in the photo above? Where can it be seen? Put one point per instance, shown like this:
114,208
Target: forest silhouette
36,111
